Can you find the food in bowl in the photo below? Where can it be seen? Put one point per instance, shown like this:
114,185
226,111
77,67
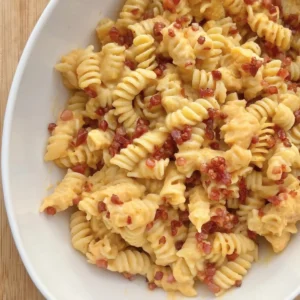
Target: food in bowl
181,141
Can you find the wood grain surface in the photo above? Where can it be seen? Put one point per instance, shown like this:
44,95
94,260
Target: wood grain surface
17,19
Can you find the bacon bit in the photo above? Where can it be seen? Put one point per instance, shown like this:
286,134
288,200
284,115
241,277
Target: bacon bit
79,169
232,256
129,220
149,14
159,275
101,207
200,236
103,125
120,141
275,200
87,187
152,286
161,213
174,227
181,161
166,151
283,73
157,28
81,137
50,210
100,111
287,143
135,11
66,115
162,240
130,64
209,227
194,180
171,33
90,92
253,66
255,139
149,226
206,92
141,128
179,245
238,283
158,71
177,25
77,200
102,263
150,163
242,191
108,215
181,136
217,75
272,9
233,30
116,200
209,129
183,216
171,279
271,142
195,27
128,276
215,146
272,90
297,117
210,284
114,35
201,40
251,234
155,100
51,127
261,212
189,63
206,248
169,5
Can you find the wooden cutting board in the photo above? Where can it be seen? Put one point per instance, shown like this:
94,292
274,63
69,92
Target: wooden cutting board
17,19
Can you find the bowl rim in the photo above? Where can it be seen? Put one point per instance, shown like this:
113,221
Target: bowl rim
11,102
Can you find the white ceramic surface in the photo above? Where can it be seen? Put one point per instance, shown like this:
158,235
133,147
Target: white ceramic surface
43,242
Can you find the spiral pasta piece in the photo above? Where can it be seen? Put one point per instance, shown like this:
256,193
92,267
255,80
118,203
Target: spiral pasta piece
251,204
112,62
98,227
284,117
79,155
261,149
145,52
88,69
62,135
130,261
191,114
227,244
81,232
64,194
165,252
140,212
271,31
199,207
77,102
294,135
67,67
125,93
174,187
126,16
264,108
294,69
141,147
178,47
102,30
143,171
233,271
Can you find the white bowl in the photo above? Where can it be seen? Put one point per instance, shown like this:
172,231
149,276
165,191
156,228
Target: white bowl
36,95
